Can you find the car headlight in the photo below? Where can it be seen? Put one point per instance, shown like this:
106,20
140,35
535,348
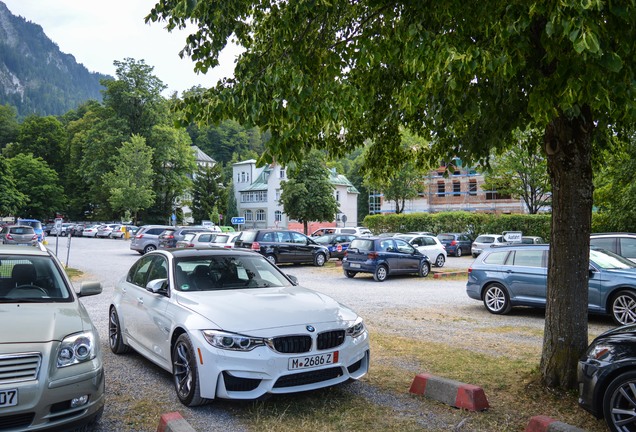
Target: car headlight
356,329
599,352
76,348
232,341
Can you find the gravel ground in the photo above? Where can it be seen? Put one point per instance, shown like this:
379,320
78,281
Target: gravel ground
420,308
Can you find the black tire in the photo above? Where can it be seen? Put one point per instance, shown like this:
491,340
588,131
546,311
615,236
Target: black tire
115,339
150,248
475,255
380,274
320,259
271,258
185,373
618,402
458,252
440,260
623,307
496,299
350,274
425,269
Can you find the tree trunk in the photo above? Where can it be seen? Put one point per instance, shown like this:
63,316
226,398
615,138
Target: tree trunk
568,144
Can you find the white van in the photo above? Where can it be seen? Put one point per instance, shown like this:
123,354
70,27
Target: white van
358,231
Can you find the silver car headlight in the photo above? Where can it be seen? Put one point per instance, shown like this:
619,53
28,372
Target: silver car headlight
232,341
356,329
599,352
76,348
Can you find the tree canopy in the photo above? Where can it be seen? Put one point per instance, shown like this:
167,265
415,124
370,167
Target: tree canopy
332,74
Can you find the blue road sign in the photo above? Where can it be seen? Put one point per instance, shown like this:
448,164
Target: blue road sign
238,220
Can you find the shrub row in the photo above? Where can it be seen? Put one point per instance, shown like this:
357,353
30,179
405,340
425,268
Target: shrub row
474,223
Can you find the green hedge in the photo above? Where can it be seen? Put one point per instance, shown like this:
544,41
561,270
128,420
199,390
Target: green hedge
474,223
471,223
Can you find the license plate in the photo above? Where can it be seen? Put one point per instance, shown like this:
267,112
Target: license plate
313,361
353,265
8,398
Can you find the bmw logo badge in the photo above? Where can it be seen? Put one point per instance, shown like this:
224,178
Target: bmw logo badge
310,329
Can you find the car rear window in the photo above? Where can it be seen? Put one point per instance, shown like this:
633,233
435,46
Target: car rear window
361,245
21,230
445,237
485,239
248,236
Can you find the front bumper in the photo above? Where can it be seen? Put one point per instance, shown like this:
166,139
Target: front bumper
588,374
250,375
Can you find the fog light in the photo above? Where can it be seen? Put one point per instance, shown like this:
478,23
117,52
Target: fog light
79,401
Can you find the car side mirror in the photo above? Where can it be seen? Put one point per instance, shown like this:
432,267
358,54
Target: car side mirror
89,288
158,286
293,279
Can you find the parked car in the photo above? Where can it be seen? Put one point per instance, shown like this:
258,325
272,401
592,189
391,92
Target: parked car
336,243
52,375
382,257
485,241
90,230
18,235
532,240
282,246
620,243
607,378
64,229
456,244
35,224
357,231
208,240
516,275
77,230
106,230
121,230
147,238
170,237
428,233
429,246
234,326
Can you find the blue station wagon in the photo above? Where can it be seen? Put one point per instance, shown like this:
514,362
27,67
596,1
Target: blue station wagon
384,256
503,277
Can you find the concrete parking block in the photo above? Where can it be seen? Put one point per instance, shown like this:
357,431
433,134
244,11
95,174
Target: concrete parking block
173,422
547,424
453,393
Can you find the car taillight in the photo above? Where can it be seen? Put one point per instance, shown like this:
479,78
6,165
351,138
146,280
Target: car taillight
453,243
169,237
139,236
470,269
372,255
35,237
9,237
256,246
190,245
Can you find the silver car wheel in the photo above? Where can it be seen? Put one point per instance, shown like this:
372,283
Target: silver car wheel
319,260
439,262
496,299
619,403
624,308
380,274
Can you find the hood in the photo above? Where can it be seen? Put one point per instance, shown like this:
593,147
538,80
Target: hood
246,310
41,322
628,273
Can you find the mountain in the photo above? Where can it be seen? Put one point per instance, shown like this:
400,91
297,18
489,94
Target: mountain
35,76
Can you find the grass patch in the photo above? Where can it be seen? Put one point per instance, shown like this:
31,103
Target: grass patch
74,273
511,386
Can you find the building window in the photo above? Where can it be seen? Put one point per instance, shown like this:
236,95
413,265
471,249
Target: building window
281,173
338,196
441,189
277,194
472,187
248,216
457,188
254,196
278,216
260,215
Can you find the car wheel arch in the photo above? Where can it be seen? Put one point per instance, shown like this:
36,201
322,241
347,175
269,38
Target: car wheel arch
599,390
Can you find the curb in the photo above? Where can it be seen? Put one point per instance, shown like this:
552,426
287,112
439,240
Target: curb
173,422
453,393
547,424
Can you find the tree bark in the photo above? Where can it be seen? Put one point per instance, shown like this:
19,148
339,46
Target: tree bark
568,144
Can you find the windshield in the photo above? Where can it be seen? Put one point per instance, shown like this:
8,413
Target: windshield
31,279
218,272
608,260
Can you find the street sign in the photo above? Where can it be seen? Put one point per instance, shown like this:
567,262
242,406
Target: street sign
512,236
238,220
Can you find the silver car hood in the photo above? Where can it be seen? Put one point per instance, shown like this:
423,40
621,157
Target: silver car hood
41,322
245,310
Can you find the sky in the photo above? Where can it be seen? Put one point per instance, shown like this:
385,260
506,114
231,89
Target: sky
98,32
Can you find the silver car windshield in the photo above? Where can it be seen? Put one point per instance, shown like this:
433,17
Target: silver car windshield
32,279
608,260
211,273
